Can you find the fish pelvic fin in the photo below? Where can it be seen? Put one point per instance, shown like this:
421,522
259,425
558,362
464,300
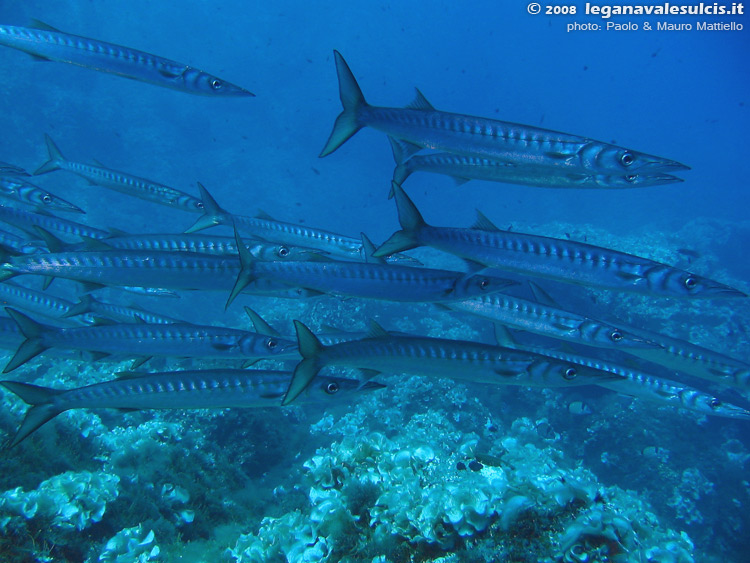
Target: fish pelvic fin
411,222
42,410
32,346
55,157
309,348
213,213
347,123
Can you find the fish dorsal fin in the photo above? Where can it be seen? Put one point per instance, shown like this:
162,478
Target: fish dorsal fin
130,374
94,244
38,24
420,102
541,296
263,216
460,181
97,163
402,150
375,330
102,321
114,232
369,250
483,223
260,325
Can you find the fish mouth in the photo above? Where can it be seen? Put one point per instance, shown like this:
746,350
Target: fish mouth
660,179
658,164
725,291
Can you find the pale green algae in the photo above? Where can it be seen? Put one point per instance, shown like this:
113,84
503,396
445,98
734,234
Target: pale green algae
389,487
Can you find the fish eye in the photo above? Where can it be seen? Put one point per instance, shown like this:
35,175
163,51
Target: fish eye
283,251
626,159
690,283
200,205
631,178
616,336
46,198
332,388
216,84
715,403
570,373
484,284
271,343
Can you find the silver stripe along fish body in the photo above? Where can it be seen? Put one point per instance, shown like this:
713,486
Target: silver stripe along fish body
267,228
464,168
550,321
636,383
17,189
120,181
50,44
146,340
367,280
423,126
27,221
42,303
546,257
87,305
433,357
177,390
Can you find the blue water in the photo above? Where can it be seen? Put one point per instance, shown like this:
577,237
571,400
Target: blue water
681,95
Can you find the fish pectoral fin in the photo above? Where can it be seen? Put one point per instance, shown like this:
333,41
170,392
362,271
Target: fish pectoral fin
272,396
124,410
627,276
459,181
506,372
222,346
376,331
171,72
249,363
96,356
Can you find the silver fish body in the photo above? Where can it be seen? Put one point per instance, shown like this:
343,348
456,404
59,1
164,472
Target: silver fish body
434,357
122,182
423,126
27,221
545,257
464,168
50,44
146,340
17,189
176,390
550,321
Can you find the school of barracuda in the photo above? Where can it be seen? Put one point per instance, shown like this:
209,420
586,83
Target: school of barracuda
287,260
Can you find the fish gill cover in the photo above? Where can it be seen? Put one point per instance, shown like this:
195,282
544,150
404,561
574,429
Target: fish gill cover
428,468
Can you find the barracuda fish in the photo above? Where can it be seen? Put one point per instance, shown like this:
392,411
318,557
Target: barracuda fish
17,189
89,306
145,269
120,181
201,244
147,340
176,390
367,280
423,126
464,168
636,383
561,260
47,43
12,169
267,228
433,357
550,321
27,222
42,303
698,361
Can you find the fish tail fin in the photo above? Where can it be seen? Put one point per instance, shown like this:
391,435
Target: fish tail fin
310,349
32,346
347,123
42,410
411,221
6,271
247,266
55,157
213,213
